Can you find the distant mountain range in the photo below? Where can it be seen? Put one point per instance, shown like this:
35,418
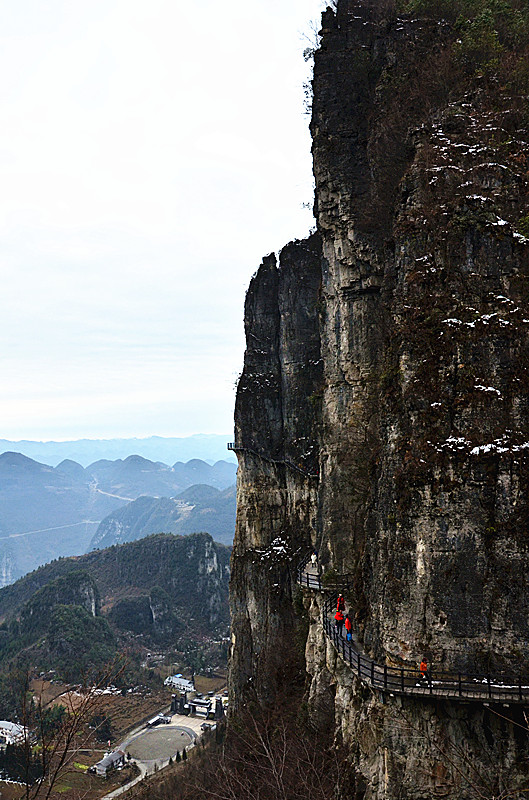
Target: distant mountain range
208,447
199,508
47,512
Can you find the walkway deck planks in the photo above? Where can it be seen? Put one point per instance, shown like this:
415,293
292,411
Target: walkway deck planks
460,687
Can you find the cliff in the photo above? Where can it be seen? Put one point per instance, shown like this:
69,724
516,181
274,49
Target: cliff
390,369
277,418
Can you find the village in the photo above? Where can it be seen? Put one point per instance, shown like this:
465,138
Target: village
148,731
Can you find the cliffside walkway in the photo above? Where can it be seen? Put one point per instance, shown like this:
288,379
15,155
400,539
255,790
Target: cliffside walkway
295,467
399,680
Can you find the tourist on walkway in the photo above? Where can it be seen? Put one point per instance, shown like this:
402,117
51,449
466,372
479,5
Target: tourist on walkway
314,558
423,669
340,603
348,628
338,619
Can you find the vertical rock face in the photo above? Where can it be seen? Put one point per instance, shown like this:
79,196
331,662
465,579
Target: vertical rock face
424,341
276,429
417,410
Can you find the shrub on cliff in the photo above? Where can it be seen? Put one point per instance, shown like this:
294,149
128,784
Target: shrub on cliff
487,32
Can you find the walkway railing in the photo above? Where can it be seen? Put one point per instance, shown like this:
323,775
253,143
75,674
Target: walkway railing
295,467
317,580
400,680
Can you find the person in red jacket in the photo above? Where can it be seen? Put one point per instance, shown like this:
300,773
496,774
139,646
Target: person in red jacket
423,669
348,629
339,618
340,603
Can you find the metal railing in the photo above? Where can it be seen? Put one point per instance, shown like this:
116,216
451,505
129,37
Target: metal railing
401,680
295,467
319,581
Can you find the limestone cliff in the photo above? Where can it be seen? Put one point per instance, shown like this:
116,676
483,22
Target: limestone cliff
276,430
398,361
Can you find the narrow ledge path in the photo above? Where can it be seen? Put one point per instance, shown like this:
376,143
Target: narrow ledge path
462,687
236,448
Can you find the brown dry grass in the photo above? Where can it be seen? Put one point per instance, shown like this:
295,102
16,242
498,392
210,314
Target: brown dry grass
204,685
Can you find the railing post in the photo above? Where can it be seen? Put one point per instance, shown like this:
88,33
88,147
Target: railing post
402,679
385,676
488,682
431,683
459,686
520,687
372,673
358,664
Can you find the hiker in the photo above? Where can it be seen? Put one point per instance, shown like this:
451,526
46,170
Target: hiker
348,628
340,603
423,669
339,618
314,558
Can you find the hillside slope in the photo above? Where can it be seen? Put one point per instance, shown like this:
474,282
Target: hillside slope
199,508
47,512
75,614
186,567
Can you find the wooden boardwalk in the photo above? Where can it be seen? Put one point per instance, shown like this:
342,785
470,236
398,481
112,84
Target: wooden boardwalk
505,689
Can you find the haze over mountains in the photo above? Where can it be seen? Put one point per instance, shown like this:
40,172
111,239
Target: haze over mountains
199,508
207,447
47,512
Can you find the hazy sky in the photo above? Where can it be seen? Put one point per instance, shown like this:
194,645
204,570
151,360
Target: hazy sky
151,153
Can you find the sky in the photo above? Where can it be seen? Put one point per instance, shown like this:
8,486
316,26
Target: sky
151,152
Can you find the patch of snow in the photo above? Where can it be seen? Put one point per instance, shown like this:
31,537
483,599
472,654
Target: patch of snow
489,389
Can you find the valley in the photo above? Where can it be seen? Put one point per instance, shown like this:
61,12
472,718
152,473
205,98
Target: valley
90,640
51,512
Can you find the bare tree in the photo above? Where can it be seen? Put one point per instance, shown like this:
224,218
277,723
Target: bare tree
56,747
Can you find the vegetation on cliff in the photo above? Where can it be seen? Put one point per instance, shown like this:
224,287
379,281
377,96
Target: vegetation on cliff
75,615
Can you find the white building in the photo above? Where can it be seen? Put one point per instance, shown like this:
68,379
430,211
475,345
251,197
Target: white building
158,719
179,683
109,762
11,732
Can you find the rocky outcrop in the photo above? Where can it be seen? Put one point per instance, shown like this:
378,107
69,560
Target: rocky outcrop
420,416
75,589
277,422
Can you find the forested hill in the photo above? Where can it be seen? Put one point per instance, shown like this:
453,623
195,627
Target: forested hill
193,570
199,508
75,616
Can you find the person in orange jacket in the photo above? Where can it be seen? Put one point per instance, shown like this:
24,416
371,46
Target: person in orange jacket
340,603
348,628
423,669
338,619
